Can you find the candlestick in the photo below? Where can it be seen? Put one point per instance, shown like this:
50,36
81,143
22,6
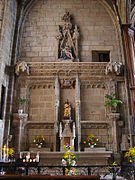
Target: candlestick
37,157
1,154
4,153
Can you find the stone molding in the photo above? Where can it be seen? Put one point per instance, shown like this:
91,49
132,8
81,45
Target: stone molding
91,68
40,125
93,125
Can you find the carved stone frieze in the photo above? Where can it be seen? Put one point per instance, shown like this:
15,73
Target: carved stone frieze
94,125
94,85
42,125
44,68
42,86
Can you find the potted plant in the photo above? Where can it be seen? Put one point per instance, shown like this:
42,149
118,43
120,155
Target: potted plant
22,101
112,102
114,169
39,141
91,141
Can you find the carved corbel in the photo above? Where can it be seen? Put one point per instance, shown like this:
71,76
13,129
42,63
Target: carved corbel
114,67
20,67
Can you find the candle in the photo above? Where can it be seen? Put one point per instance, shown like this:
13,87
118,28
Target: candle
20,155
7,153
27,158
23,160
30,160
34,160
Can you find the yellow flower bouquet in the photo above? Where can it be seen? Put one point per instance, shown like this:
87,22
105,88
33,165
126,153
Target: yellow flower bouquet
69,159
131,155
39,140
7,152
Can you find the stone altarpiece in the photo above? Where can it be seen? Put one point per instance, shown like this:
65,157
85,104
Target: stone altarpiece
48,85
85,91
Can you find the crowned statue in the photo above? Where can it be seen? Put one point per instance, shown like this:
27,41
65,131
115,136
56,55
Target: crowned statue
67,110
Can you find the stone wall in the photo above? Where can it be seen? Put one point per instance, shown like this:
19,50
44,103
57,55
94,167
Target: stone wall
42,106
92,103
97,31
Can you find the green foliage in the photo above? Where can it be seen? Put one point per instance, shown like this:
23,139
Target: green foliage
22,101
112,101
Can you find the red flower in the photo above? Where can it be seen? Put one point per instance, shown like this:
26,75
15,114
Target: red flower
92,142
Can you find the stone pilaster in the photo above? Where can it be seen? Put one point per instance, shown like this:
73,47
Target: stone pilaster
113,118
57,102
19,122
78,113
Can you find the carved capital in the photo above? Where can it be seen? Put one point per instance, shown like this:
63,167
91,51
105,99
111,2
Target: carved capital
113,116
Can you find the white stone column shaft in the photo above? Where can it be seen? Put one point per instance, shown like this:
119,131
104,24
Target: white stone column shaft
57,102
78,112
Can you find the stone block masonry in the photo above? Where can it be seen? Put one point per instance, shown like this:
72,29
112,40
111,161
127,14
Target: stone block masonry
41,27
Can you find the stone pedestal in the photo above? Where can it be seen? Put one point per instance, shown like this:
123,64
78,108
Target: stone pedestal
68,135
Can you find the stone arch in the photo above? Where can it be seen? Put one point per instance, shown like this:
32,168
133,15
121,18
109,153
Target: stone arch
24,10
132,17
116,23
30,3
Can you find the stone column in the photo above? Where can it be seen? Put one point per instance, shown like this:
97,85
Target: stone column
20,121
57,102
78,113
113,117
1,132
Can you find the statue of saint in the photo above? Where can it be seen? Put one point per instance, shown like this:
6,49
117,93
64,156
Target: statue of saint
68,36
67,109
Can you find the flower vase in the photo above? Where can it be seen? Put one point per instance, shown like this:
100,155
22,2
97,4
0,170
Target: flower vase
91,146
20,111
39,146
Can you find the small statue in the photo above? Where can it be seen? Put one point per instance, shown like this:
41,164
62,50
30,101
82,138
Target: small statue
66,53
67,109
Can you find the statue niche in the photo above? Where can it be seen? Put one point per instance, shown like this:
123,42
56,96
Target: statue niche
68,39
67,127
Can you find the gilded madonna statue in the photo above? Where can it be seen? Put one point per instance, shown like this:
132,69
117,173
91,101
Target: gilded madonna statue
67,109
